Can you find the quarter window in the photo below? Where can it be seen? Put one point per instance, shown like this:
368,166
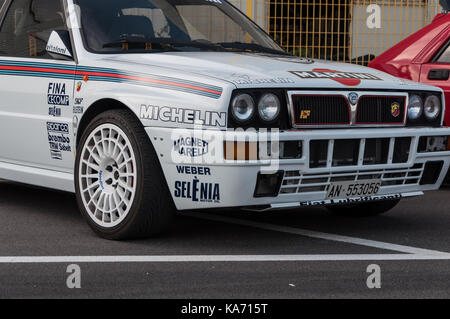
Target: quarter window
445,56
27,27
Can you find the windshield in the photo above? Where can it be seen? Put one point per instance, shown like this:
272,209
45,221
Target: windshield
130,26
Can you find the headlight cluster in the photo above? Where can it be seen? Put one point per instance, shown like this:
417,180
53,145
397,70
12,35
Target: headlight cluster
257,108
425,109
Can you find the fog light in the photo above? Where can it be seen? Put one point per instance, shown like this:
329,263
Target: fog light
268,185
431,172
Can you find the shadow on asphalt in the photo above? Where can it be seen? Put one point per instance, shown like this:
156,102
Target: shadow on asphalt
408,215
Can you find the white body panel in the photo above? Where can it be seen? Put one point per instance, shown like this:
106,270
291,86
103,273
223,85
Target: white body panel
172,90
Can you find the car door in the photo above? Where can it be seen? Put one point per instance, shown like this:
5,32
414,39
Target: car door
36,89
437,72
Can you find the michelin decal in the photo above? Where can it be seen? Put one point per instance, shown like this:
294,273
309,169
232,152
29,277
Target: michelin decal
183,116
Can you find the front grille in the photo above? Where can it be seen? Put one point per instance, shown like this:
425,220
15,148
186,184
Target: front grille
297,182
321,110
381,110
352,152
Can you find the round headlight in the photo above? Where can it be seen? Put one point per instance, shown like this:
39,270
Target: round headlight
432,107
415,108
269,107
243,107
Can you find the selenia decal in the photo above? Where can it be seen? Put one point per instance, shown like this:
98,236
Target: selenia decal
197,191
345,78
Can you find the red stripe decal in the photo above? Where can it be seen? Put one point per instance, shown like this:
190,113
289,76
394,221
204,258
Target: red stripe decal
33,69
129,77
111,75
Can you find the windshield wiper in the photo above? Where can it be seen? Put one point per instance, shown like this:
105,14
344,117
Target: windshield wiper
168,42
251,47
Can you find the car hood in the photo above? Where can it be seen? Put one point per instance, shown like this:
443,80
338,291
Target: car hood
246,70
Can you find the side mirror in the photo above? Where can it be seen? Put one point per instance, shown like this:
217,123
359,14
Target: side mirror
58,45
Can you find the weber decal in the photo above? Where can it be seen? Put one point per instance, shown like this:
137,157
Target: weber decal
194,170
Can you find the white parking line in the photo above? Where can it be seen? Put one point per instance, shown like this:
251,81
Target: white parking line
319,235
215,258
406,252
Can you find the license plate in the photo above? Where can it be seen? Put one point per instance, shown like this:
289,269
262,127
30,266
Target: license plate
353,189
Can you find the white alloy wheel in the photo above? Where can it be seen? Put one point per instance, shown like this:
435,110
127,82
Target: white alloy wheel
107,175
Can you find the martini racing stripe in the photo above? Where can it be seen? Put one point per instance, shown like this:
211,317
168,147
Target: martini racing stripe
50,70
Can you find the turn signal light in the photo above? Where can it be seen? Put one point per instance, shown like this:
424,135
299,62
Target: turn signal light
240,151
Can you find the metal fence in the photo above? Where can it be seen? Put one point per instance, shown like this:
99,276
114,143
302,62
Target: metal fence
342,30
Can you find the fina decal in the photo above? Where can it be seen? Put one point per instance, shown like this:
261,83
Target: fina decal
184,116
194,170
395,109
58,140
197,191
191,146
56,94
345,78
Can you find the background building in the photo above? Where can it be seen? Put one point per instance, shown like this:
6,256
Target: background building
341,30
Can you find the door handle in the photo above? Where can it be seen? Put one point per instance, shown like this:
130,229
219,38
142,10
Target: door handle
439,74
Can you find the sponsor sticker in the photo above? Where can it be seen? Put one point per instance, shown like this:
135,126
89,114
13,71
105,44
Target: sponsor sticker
193,170
191,146
345,78
56,94
54,111
58,139
197,191
183,116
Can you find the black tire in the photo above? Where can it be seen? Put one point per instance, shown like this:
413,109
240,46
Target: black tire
152,208
364,209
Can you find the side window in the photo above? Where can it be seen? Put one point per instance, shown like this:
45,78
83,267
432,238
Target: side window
27,27
445,56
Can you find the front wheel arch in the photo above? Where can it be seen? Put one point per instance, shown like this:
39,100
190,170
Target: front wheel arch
95,109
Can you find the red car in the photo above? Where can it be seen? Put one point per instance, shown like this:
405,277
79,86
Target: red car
422,57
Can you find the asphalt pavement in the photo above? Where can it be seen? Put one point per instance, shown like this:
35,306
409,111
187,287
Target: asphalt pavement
303,253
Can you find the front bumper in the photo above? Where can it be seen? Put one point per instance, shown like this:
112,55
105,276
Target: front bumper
206,180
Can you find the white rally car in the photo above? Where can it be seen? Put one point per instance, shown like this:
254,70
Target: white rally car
145,107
